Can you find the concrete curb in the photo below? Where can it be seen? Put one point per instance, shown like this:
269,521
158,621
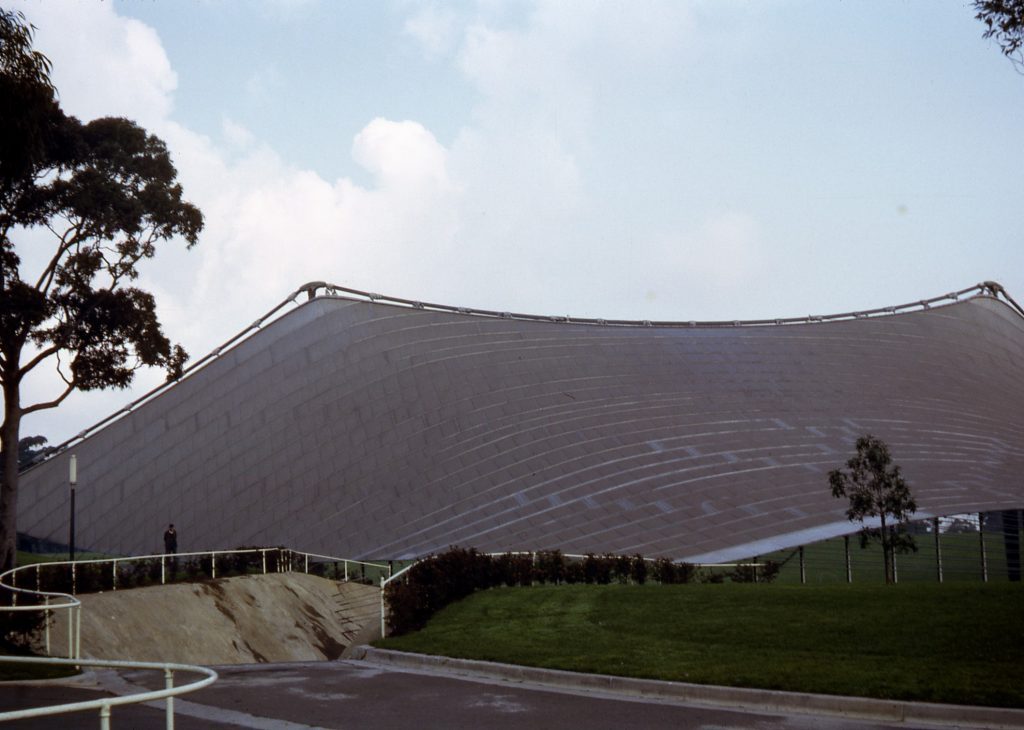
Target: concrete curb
759,700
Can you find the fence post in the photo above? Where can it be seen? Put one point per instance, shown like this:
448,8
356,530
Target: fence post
46,615
74,581
346,570
263,552
938,549
163,571
307,564
113,576
981,540
895,577
39,584
383,623
849,567
213,565
803,566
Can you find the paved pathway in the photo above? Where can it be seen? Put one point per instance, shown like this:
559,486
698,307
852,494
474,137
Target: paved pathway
358,694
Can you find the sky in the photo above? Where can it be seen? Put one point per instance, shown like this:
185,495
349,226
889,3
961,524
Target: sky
715,159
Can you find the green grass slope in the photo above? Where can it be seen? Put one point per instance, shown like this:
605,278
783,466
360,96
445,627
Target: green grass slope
926,642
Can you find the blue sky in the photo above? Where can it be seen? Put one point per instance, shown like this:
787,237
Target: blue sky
704,160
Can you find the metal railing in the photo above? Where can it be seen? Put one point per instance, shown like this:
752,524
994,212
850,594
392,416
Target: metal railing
283,560
105,704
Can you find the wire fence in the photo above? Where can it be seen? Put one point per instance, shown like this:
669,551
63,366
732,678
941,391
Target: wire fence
966,547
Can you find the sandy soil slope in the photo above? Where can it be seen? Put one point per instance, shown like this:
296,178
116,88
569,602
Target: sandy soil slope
261,618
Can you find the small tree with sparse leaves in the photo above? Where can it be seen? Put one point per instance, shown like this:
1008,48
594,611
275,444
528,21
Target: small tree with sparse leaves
875,488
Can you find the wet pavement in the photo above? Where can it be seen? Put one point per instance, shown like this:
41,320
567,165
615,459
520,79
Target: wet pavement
357,694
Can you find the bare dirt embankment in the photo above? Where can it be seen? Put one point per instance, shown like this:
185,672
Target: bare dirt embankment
279,617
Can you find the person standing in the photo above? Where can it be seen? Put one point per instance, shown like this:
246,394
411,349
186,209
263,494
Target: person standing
171,539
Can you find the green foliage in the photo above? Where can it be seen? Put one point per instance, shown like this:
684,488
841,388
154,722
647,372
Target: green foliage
439,580
1004,21
21,630
875,487
766,572
925,642
24,86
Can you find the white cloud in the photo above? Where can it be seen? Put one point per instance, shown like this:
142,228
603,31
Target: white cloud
435,29
104,64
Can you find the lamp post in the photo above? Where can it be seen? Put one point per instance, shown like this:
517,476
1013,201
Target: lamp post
72,480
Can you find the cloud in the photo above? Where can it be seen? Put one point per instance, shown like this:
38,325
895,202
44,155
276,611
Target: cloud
435,29
104,64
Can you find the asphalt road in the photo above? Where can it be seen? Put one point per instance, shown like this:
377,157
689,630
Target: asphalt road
355,694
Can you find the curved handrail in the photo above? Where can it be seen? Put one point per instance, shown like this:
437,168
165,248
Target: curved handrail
104,704
312,289
72,604
75,624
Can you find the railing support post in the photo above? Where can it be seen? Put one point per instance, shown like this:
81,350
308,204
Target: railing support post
307,563
938,549
264,553
163,570
169,684
803,566
46,616
213,565
113,576
105,717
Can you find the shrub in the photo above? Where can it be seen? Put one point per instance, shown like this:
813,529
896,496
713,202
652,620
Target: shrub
623,567
598,568
638,569
550,566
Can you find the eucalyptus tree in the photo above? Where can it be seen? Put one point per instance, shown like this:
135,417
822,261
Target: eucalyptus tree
104,194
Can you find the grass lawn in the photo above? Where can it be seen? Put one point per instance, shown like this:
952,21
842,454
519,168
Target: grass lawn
956,643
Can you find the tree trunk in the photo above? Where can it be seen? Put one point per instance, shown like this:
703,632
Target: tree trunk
9,435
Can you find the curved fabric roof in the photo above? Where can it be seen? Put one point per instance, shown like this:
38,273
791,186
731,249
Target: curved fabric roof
371,429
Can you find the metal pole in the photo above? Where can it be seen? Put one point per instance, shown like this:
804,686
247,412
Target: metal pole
113,576
803,566
938,549
895,578
72,481
46,614
169,684
105,717
981,540
163,571
264,553
213,565
849,568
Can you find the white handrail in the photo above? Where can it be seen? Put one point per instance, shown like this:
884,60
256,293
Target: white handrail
75,627
103,705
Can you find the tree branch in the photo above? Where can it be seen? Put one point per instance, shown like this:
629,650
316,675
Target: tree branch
49,404
53,349
47,274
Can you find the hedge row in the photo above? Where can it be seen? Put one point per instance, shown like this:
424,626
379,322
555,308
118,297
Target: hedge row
439,580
